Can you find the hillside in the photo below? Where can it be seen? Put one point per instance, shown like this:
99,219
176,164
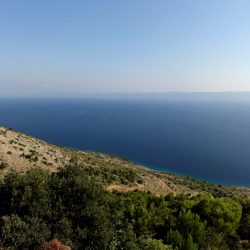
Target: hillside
58,198
19,152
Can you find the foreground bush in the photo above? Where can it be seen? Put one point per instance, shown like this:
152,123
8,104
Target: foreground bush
68,205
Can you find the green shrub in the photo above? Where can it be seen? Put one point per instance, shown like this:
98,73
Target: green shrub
72,206
3,165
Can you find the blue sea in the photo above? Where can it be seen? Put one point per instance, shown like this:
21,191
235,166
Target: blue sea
203,137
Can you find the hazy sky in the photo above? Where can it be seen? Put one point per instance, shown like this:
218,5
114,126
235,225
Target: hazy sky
67,47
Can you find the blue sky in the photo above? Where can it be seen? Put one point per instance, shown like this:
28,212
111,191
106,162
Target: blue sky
77,47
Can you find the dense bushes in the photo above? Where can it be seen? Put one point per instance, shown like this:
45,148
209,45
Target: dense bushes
72,207
110,174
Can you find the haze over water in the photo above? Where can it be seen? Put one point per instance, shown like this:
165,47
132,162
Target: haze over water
203,136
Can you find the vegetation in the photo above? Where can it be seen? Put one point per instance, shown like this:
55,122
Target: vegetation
114,172
71,205
3,165
108,174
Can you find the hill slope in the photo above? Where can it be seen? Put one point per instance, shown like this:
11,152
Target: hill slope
19,152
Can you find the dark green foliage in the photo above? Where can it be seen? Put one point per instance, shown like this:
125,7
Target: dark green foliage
190,225
146,213
27,233
244,229
76,197
189,231
72,206
223,214
3,165
26,195
152,244
108,175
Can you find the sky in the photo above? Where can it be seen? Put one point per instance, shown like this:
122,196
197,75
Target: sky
62,47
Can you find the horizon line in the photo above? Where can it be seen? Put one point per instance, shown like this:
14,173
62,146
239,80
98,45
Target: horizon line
127,94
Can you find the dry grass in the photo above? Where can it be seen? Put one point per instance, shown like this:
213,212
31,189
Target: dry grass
22,152
54,245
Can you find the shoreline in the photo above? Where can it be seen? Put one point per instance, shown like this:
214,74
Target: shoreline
167,171
195,178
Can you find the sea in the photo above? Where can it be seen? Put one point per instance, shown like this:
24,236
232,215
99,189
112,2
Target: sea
205,136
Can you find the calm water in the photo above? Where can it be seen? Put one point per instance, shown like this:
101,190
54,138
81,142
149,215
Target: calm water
205,139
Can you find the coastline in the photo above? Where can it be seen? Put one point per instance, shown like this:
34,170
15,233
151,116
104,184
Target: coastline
183,175
160,170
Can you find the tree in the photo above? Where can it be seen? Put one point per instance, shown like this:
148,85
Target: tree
152,244
77,197
223,214
189,231
23,234
25,194
244,228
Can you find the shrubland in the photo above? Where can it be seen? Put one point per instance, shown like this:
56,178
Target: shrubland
72,206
